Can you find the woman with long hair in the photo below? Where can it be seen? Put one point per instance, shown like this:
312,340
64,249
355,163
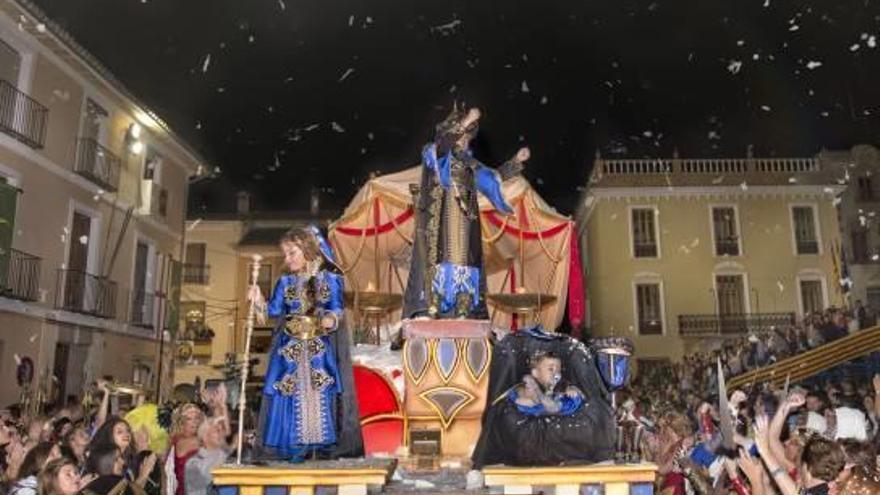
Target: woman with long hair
308,405
59,477
116,432
33,462
185,422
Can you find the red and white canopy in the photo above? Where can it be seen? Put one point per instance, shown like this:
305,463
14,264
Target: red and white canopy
378,224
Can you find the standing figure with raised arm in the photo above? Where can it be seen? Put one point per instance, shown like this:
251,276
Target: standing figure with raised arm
446,277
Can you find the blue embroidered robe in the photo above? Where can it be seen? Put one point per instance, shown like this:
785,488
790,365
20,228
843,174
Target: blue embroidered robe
303,378
446,277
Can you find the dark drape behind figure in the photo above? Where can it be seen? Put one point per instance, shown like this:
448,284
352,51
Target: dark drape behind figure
513,438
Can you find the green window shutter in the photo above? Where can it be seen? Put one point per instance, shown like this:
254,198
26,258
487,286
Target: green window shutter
8,201
172,319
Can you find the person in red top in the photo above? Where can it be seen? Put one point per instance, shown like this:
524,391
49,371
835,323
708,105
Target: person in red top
184,444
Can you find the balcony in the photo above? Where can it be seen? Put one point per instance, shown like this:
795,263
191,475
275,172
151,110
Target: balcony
21,278
727,247
731,325
143,306
22,117
645,250
85,293
196,274
807,247
98,164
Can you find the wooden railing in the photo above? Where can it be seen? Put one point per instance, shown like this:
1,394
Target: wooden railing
812,362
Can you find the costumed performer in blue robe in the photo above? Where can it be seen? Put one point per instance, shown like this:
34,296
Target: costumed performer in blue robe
446,277
309,405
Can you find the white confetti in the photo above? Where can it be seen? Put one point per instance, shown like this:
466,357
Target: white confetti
198,124
780,285
312,127
714,135
41,27
744,186
872,41
345,74
794,27
740,42
446,28
734,66
83,239
206,63
792,180
765,108
524,87
647,134
766,3
351,20
194,224
814,64
854,48
336,127
251,39
544,100
282,5
718,180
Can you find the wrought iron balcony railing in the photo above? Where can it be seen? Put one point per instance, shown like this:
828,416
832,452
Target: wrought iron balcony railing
727,247
143,306
731,325
21,116
98,164
21,277
807,247
196,274
645,250
85,293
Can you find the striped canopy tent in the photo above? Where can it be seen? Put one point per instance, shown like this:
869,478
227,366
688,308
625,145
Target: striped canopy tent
536,248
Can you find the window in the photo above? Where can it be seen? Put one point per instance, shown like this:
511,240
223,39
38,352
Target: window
730,290
8,203
644,233
141,297
194,321
873,297
866,190
10,64
805,238
648,309
811,296
725,231
93,121
163,203
152,165
859,245
195,271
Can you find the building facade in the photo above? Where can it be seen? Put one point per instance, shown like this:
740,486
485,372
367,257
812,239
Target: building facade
92,207
681,253
858,170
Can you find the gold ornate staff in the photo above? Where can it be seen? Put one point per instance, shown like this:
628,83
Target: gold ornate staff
252,309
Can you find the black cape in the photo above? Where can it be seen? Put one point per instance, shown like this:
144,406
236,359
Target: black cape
513,438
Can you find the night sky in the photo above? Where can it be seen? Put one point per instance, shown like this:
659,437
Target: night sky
285,95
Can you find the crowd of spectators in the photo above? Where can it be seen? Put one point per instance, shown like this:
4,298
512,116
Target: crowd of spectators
93,452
